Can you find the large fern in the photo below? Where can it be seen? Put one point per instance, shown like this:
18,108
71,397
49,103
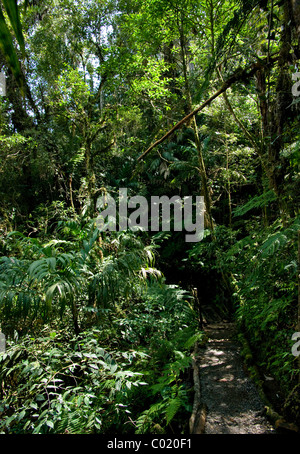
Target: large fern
73,275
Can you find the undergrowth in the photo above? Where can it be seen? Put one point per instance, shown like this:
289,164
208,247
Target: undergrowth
126,370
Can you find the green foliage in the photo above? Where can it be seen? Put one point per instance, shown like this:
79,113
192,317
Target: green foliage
56,383
267,260
131,354
88,316
174,397
6,40
262,272
256,202
59,276
14,17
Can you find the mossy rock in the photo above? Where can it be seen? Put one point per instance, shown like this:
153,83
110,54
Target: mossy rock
291,409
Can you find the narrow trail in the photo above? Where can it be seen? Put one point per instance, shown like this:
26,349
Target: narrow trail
232,400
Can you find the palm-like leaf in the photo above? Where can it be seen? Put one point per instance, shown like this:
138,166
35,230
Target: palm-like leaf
56,277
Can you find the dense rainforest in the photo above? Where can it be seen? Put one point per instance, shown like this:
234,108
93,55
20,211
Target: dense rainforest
160,98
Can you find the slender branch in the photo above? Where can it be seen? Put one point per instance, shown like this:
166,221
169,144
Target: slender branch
103,150
239,75
237,120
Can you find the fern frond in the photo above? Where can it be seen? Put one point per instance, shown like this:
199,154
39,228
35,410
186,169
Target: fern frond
172,408
259,201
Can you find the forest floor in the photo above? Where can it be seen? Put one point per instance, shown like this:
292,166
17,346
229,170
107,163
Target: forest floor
232,400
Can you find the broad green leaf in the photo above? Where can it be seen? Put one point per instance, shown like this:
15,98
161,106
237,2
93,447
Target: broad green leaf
13,13
9,51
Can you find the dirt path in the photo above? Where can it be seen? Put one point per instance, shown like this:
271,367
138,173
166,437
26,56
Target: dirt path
232,400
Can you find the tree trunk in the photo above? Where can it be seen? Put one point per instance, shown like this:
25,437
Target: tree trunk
90,177
276,114
203,174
